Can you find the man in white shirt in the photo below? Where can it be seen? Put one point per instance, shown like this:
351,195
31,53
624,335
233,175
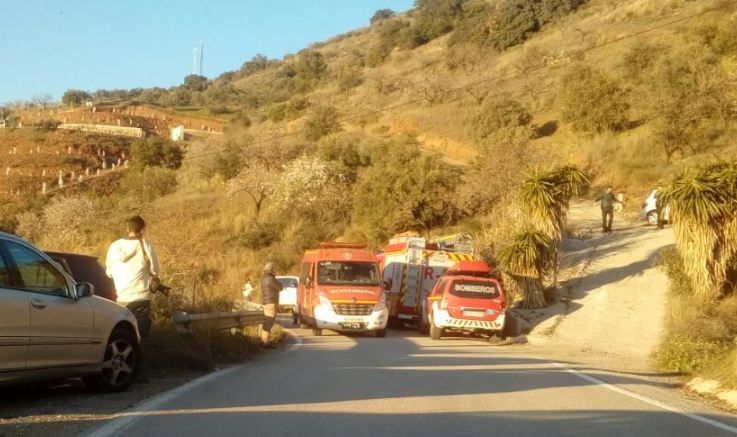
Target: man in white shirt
132,262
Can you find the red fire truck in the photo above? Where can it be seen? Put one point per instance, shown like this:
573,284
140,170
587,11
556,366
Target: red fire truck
411,265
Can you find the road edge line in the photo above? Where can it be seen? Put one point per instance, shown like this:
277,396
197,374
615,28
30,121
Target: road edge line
641,398
131,416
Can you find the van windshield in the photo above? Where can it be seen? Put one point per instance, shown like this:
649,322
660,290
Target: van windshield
348,273
474,290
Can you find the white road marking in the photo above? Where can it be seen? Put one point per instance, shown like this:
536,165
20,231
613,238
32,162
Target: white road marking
117,426
653,402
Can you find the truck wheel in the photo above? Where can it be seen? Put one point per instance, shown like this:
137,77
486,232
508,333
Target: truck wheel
381,333
317,332
120,365
435,332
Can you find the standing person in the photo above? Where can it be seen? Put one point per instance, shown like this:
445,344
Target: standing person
132,263
270,289
607,201
247,290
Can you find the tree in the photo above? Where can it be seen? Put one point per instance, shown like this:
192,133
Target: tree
195,82
405,190
703,211
257,181
74,97
526,259
545,197
593,101
321,121
157,151
381,15
257,63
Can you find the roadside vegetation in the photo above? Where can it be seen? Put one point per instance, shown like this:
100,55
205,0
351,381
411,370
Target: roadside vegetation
486,117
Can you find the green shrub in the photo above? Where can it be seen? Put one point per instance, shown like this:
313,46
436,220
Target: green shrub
277,112
641,57
515,22
259,235
679,353
195,82
391,199
148,183
381,15
499,114
593,101
47,124
321,121
156,151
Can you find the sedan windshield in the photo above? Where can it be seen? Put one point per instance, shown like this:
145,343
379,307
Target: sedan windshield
348,273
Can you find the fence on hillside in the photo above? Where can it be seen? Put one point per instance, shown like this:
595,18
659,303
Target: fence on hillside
124,131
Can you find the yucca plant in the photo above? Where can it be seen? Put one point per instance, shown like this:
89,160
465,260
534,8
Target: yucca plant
526,259
703,210
545,196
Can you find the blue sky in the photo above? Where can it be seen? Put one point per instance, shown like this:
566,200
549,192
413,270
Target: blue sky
51,45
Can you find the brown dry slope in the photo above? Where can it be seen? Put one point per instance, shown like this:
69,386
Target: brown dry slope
614,300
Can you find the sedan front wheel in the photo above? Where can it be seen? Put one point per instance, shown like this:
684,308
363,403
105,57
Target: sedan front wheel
120,365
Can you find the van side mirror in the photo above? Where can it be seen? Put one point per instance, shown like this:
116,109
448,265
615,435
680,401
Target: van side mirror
388,284
308,282
84,289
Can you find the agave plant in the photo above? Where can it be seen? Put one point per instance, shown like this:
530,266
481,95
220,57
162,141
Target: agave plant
546,196
703,205
526,259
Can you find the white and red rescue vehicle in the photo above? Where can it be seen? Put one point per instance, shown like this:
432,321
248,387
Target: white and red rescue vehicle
340,288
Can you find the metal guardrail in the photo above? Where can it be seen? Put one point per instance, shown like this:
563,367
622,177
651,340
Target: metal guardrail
226,320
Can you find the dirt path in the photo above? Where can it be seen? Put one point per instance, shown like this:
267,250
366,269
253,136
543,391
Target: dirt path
613,300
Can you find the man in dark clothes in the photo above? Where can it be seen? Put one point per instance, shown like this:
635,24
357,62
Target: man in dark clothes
270,289
607,209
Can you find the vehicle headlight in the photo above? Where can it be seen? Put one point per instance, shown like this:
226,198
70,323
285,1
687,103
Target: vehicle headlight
324,301
381,303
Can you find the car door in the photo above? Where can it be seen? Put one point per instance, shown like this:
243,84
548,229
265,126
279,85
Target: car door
15,320
60,326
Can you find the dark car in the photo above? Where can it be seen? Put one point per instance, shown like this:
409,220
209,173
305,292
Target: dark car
86,268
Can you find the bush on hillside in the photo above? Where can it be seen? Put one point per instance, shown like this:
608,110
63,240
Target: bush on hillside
593,101
146,184
499,114
687,103
641,57
257,63
381,15
259,235
310,65
391,199
321,121
720,38
515,22
75,97
179,97
156,151
47,124
507,23
195,82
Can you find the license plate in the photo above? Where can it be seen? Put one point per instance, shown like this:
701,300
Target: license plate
473,313
353,320
351,325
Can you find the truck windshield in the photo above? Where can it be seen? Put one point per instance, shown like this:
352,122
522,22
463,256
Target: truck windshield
475,290
348,273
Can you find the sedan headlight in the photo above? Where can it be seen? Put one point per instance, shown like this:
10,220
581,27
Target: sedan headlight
381,304
324,301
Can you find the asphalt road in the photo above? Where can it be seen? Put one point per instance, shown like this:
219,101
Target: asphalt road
406,385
